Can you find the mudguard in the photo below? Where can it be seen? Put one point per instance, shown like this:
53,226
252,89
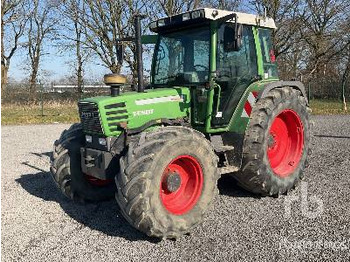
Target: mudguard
272,85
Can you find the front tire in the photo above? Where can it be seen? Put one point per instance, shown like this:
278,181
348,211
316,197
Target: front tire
276,143
66,169
167,181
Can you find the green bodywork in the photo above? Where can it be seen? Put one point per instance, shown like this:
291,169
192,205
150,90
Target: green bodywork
176,102
133,110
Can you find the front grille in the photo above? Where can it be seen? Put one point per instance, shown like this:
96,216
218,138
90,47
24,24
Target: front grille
90,117
116,114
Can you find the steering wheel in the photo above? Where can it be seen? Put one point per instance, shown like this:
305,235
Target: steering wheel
202,66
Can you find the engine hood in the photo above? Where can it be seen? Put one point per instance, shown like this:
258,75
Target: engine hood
110,115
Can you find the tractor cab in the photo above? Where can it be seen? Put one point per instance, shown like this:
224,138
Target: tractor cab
216,53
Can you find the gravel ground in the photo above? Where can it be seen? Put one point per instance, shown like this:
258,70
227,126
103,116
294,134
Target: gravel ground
39,224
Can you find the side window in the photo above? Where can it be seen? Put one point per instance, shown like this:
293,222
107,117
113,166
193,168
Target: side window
170,58
201,57
269,60
235,65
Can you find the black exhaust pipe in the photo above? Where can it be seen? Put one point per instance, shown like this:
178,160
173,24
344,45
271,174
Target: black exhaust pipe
115,90
137,24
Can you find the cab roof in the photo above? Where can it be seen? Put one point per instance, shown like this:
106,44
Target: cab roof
205,14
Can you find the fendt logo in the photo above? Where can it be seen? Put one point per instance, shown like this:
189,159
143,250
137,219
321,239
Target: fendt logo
143,112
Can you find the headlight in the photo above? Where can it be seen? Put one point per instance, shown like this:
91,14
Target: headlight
153,25
161,22
88,139
102,141
186,17
197,14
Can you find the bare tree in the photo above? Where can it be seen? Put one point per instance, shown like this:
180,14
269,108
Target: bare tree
286,14
13,22
42,23
78,33
162,8
104,22
345,74
323,32
310,40
169,8
73,37
231,5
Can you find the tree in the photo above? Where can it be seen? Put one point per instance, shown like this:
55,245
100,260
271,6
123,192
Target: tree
162,8
169,8
323,31
310,40
104,22
73,37
345,68
13,22
286,14
231,5
42,23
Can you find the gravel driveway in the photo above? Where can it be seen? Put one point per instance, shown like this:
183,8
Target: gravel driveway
312,222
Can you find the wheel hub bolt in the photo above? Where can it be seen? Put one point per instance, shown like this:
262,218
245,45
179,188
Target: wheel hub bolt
173,182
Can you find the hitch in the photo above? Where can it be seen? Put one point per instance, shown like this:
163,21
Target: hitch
89,161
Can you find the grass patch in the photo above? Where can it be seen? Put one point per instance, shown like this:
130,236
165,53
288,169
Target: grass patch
327,107
67,112
13,114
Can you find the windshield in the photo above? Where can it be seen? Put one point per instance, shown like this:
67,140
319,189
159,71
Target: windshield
182,57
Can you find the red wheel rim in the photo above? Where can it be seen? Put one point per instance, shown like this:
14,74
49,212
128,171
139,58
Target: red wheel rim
285,143
97,182
181,184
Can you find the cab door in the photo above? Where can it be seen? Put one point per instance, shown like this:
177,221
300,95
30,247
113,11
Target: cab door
236,70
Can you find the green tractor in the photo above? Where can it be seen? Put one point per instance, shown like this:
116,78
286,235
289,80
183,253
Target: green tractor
214,106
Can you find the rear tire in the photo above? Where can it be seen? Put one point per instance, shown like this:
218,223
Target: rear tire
147,200
66,169
276,143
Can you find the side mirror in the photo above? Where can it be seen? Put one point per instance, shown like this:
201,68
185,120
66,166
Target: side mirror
233,37
120,53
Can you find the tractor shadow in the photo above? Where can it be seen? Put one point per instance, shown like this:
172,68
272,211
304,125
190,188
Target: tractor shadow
228,186
102,216
44,154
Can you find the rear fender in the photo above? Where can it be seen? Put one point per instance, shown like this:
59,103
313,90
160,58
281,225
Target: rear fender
240,120
278,84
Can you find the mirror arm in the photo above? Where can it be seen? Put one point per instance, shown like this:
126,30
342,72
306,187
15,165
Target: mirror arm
228,17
